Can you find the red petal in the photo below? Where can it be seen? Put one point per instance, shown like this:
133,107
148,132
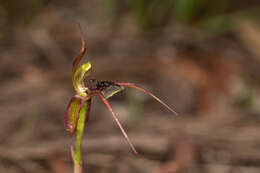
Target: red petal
147,92
117,121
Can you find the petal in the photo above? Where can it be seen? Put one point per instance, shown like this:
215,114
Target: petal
117,121
132,85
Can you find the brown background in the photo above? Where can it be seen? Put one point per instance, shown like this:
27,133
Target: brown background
201,57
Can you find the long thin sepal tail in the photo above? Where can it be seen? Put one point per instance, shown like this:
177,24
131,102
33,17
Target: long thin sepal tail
82,50
147,92
117,121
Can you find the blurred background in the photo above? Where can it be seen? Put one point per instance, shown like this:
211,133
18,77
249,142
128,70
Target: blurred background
202,57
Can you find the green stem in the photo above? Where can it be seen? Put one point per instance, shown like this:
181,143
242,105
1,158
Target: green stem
80,131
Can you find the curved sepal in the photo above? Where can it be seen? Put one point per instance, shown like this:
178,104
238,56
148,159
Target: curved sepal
82,51
80,72
72,114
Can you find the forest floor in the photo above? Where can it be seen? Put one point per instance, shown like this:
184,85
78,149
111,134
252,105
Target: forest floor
213,82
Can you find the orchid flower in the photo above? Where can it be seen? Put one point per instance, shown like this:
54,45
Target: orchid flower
77,113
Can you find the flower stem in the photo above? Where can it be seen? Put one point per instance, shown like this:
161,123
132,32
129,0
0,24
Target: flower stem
77,168
79,135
